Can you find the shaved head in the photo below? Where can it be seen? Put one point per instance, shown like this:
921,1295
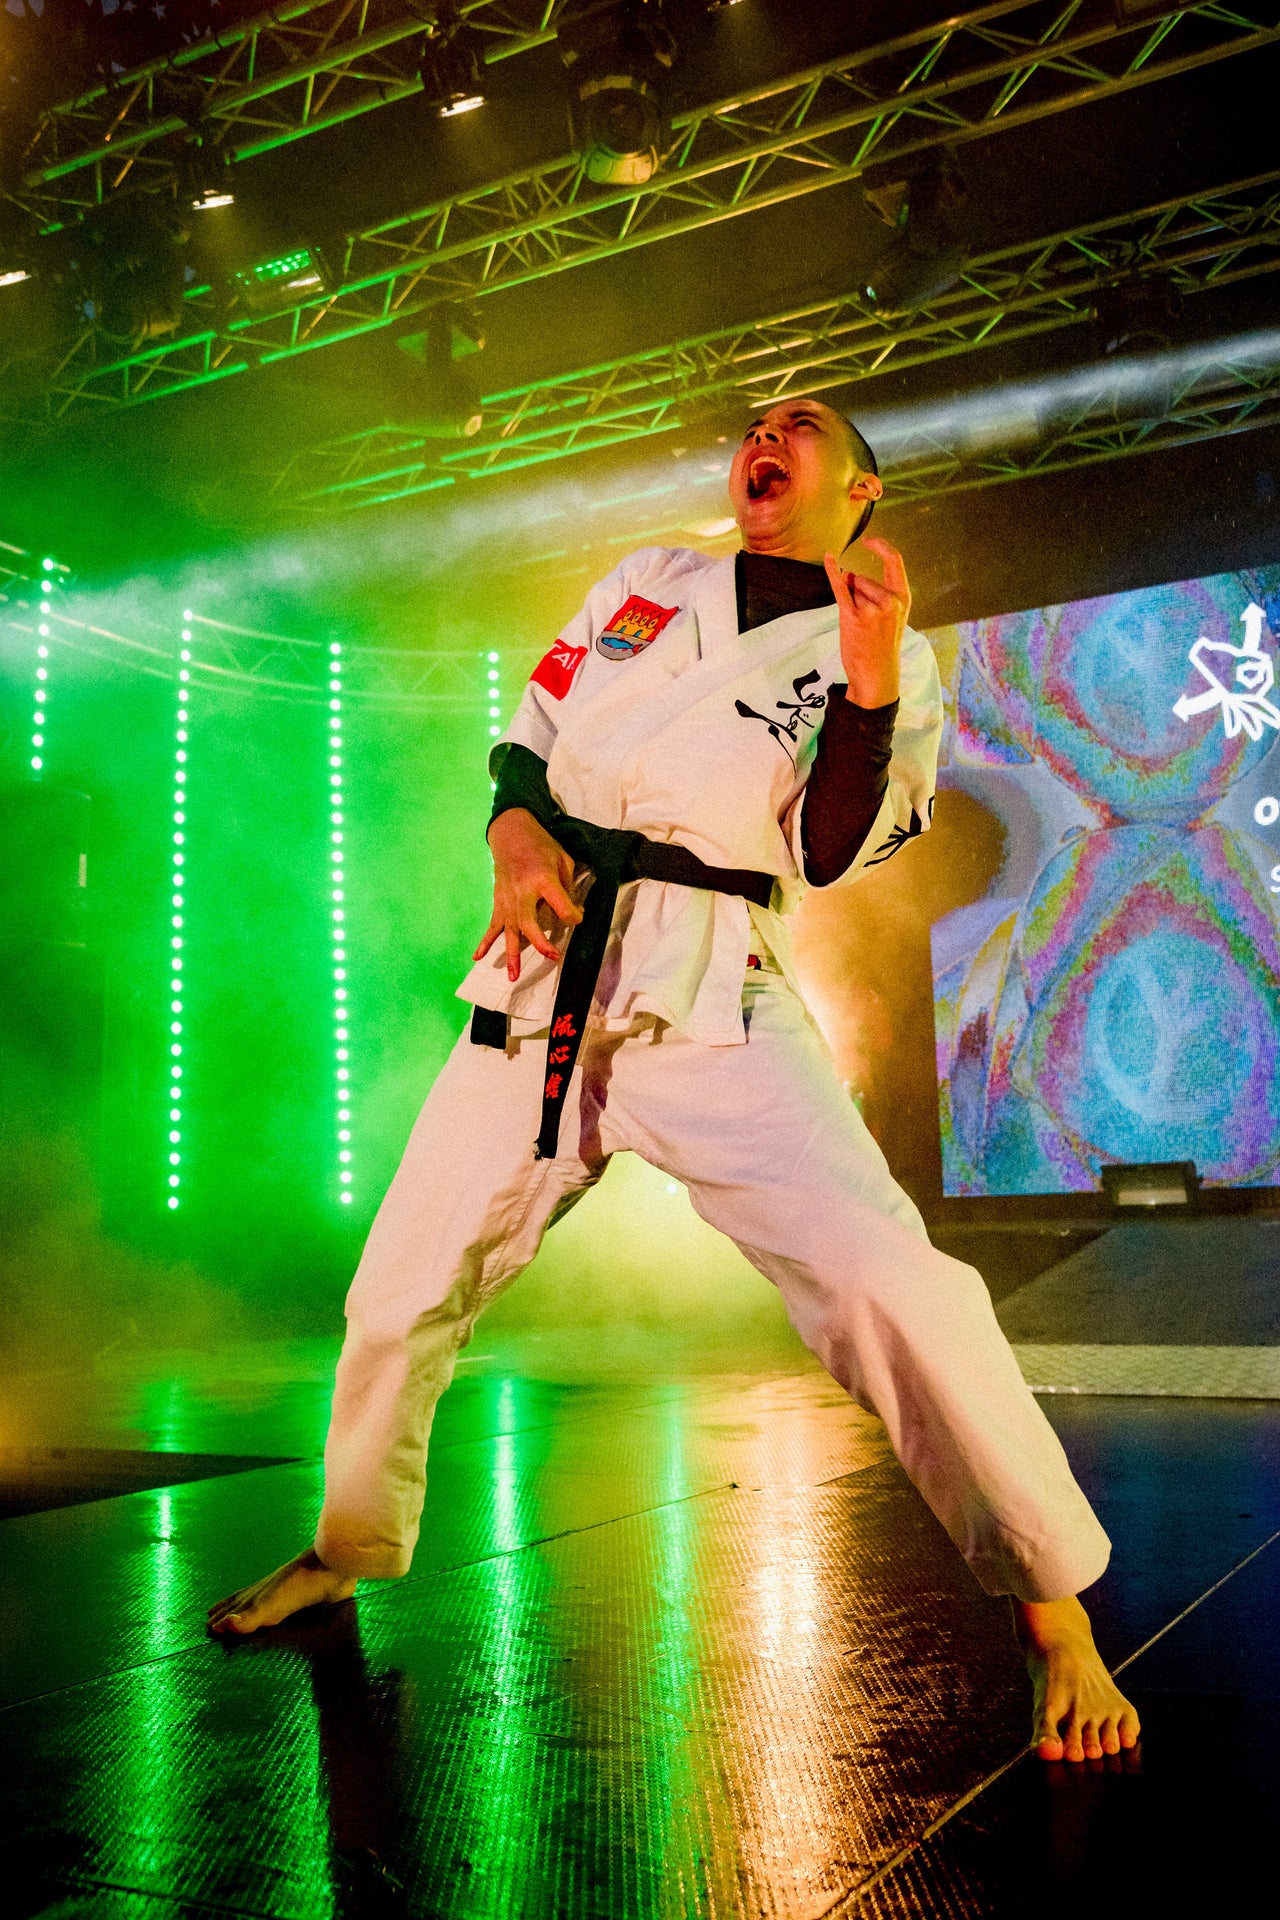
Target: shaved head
864,460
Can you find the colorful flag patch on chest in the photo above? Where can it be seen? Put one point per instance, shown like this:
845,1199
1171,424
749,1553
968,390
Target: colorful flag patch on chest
635,625
556,669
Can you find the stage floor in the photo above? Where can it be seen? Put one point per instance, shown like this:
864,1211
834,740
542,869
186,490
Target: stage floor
676,1643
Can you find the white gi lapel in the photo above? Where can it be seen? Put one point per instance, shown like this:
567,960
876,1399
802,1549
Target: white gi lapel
725,655
715,608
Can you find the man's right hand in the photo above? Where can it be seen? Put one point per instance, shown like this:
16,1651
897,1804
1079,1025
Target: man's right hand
528,868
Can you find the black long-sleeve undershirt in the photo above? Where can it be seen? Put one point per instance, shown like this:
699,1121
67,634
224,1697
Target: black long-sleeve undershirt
847,784
521,781
850,771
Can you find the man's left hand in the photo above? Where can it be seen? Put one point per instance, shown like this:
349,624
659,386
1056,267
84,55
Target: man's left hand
873,614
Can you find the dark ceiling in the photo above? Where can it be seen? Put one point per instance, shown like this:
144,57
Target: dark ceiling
190,466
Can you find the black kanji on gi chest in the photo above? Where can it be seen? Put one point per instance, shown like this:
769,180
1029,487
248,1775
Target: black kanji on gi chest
793,714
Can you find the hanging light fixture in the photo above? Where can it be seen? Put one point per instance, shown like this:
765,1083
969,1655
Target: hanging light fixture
432,394
131,261
204,178
15,249
287,279
451,69
1137,314
619,58
926,254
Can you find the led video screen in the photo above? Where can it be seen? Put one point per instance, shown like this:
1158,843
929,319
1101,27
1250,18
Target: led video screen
1114,996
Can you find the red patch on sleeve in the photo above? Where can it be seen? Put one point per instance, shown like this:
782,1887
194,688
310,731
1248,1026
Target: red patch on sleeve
556,669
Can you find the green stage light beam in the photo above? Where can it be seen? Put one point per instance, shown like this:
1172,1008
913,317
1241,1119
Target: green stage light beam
178,919
338,898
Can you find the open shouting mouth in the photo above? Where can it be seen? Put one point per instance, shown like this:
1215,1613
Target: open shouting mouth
766,477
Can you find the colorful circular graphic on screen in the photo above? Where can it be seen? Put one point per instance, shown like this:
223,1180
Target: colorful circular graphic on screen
1093,690
1149,978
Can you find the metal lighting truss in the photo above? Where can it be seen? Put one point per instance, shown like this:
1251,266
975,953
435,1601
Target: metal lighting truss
441,681
1223,394
18,570
1198,242
305,66
1230,393
1001,65
1074,421
236,658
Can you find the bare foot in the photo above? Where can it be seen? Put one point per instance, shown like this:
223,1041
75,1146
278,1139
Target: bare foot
304,1582
1080,1712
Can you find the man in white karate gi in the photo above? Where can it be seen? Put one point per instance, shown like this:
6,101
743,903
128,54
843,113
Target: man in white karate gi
705,739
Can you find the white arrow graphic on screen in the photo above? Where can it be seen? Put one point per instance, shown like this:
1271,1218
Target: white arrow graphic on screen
1248,711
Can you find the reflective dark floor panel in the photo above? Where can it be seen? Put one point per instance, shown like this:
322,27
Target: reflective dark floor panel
37,1479
682,1648
1189,1828
513,1461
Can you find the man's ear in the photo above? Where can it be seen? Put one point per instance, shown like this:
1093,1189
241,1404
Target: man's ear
863,494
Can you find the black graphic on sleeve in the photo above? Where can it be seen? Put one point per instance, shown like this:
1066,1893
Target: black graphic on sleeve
898,837
794,714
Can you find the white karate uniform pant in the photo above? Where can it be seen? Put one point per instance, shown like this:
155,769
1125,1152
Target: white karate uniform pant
776,1156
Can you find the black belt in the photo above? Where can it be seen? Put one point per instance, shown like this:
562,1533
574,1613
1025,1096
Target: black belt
614,857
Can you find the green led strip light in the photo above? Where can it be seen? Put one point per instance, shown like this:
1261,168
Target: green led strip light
178,917
337,921
493,689
40,697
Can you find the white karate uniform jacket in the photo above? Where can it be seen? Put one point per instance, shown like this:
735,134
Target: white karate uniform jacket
663,719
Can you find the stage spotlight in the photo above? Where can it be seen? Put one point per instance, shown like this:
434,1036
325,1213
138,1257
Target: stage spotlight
131,254
433,395
619,57
279,282
1137,315
925,255
451,67
204,179
15,253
